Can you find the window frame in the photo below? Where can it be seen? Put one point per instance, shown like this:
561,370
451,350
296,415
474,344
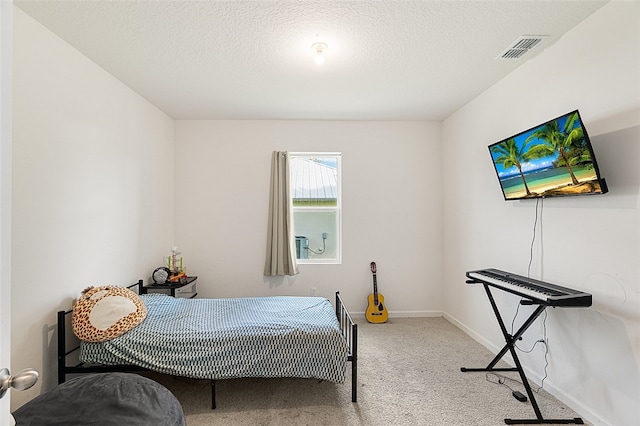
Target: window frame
337,260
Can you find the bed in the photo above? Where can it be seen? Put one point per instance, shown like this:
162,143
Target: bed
216,339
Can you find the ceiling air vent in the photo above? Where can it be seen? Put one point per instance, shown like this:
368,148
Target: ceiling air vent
521,46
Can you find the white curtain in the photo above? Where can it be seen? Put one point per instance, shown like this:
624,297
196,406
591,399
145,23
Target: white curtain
281,254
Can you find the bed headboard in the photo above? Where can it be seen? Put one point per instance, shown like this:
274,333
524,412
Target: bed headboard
64,318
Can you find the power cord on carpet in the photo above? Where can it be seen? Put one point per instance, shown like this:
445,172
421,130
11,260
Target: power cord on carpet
502,380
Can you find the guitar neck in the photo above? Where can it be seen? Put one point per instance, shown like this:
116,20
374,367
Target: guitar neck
375,289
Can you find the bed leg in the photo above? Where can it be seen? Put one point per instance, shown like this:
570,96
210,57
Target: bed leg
354,365
213,394
62,348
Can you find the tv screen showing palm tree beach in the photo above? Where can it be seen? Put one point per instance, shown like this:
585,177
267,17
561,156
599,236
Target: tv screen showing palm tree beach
552,159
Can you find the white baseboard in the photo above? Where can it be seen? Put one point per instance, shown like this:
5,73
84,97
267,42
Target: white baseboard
484,342
409,314
404,314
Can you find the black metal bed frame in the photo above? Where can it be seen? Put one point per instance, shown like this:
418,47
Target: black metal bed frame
350,332
348,328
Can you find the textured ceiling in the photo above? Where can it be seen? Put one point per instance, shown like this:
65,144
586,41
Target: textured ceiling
386,60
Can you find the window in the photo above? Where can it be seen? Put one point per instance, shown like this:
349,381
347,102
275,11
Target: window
316,199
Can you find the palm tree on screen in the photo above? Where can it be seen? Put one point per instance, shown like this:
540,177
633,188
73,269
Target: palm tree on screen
561,141
510,155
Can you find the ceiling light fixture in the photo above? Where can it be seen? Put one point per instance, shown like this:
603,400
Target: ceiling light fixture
319,49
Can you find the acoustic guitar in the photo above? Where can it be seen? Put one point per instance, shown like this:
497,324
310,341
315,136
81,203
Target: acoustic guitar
376,311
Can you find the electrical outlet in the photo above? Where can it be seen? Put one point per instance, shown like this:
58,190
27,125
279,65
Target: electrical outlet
324,235
312,291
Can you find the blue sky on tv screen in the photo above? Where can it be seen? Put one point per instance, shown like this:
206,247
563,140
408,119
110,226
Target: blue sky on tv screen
538,164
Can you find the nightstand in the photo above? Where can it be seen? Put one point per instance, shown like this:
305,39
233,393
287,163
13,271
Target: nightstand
180,289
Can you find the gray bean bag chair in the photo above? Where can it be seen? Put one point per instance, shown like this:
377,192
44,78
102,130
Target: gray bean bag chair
117,399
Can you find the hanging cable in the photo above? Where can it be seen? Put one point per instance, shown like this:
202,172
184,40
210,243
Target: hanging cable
533,238
537,222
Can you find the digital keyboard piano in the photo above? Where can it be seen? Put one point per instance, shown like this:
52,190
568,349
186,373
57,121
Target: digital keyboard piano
533,292
538,291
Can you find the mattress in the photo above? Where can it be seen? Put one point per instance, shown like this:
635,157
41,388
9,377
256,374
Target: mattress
279,336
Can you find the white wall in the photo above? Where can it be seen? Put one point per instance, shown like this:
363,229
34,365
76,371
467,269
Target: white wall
391,200
92,188
588,243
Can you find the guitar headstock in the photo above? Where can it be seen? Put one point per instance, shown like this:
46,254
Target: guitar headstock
373,267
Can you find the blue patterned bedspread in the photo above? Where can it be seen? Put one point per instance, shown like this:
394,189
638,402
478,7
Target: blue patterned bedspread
279,336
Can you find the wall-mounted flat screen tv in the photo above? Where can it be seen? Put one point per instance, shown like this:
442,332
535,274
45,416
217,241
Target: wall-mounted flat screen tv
552,159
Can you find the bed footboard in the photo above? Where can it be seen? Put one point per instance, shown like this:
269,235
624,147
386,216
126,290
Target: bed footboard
350,332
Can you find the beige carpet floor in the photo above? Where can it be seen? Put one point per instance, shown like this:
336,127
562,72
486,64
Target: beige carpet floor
408,374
